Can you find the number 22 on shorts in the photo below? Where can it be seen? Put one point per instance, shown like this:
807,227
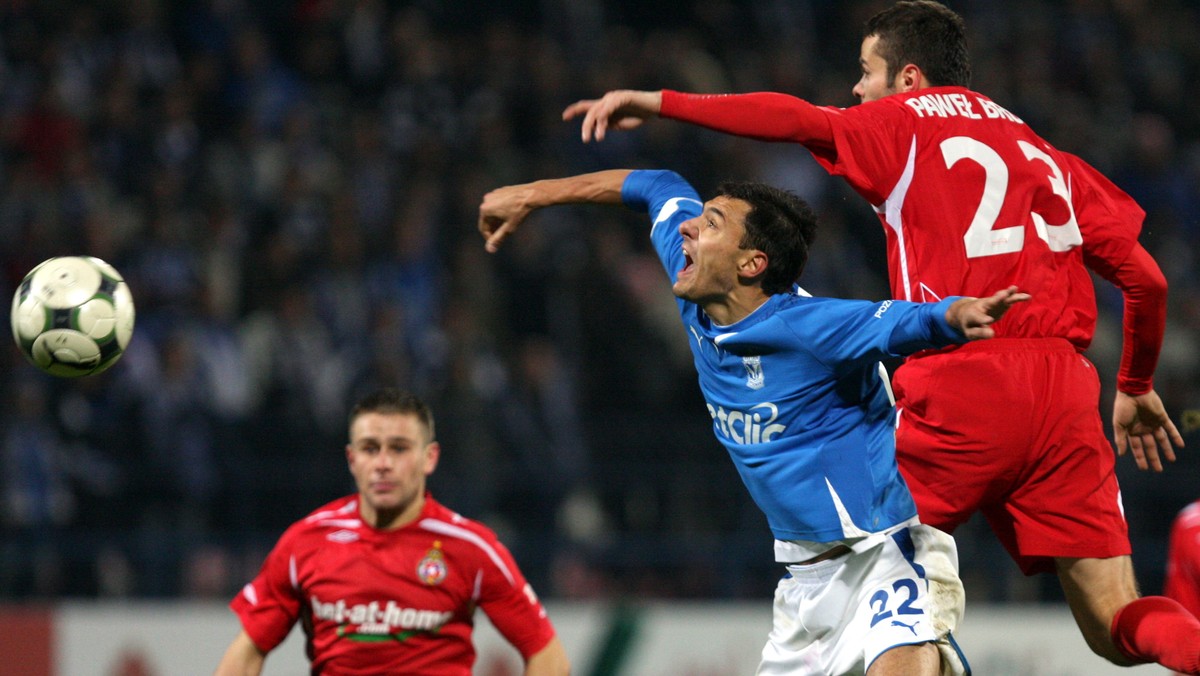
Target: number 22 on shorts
905,593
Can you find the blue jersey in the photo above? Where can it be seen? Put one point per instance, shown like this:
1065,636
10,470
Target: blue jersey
795,390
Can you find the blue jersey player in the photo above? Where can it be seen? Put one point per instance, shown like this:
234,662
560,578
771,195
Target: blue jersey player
800,402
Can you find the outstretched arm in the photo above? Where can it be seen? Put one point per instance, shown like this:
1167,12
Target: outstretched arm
504,209
765,116
973,317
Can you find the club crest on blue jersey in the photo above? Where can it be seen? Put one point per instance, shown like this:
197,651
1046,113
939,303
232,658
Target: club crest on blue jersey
754,372
432,569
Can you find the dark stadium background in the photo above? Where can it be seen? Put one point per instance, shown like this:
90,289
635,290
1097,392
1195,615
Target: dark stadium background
291,191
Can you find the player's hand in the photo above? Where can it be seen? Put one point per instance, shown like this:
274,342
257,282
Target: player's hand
621,109
1141,424
501,211
973,317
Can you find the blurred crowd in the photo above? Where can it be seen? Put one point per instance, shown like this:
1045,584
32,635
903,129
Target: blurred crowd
290,189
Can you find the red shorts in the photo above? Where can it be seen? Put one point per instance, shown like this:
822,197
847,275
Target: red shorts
1011,427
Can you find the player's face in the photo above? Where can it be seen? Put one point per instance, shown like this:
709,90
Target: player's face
390,455
874,83
711,251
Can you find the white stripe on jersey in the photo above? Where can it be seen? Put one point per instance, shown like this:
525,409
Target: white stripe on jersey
342,523
250,594
478,590
328,513
669,209
891,212
849,530
464,534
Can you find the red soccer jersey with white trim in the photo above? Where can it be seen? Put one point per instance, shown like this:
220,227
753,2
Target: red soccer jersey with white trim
1183,560
972,201
390,601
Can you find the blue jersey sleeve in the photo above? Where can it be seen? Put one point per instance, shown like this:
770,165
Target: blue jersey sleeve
670,200
846,334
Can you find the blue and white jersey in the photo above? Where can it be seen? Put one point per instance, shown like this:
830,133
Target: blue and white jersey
795,390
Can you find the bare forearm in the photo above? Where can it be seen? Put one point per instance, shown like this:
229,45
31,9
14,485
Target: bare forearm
504,209
601,187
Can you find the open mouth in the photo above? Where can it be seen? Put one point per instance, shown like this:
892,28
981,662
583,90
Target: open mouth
688,263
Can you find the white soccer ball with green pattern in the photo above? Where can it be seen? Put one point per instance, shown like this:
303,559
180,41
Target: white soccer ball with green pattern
73,316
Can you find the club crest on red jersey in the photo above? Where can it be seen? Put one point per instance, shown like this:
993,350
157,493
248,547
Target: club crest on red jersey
432,569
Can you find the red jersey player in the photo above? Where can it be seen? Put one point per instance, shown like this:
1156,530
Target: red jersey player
387,581
971,199
1183,559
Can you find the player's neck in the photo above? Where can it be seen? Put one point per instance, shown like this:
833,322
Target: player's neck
735,307
391,519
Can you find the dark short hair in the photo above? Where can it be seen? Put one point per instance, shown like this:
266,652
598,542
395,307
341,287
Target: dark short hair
392,400
779,224
924,33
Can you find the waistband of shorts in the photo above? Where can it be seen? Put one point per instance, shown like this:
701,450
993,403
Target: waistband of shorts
1005,345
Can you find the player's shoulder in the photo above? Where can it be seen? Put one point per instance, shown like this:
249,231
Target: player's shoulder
802,315
439,518
646,186
339,516
798,303
340,513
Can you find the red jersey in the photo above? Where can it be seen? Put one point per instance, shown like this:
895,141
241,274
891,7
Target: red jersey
973,201
1183,560
390,601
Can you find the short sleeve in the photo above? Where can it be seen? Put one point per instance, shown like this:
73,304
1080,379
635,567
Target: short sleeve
269,605
511,604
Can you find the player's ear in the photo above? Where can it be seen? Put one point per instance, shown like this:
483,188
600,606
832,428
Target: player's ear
910,78
433,453
753,264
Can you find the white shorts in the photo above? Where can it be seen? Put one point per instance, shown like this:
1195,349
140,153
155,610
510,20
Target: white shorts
835,617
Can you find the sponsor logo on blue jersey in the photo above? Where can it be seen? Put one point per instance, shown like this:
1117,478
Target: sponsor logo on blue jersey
756,426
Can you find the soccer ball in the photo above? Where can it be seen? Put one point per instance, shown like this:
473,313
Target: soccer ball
72,316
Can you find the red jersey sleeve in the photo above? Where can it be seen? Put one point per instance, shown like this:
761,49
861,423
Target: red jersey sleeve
511,604
858,143
269,605
766,116
1110,222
